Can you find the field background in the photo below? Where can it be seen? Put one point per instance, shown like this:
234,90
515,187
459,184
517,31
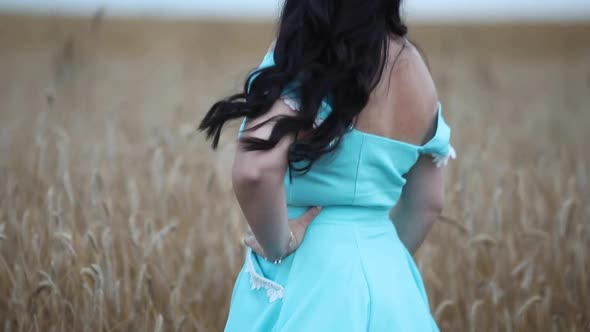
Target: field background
116,216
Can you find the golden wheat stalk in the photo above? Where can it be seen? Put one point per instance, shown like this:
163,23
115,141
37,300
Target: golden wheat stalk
527,305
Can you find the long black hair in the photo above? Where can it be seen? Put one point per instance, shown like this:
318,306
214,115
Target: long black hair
335,50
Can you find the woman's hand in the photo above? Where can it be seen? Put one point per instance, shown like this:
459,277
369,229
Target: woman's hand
298,228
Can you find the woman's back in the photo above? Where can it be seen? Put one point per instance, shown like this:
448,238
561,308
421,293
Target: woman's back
401,121
404,103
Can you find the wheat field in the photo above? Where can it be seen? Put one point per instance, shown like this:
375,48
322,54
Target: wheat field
115,215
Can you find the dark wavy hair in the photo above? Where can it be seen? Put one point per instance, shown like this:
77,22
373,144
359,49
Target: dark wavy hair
335,50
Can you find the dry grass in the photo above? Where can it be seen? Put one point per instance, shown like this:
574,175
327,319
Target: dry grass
115,216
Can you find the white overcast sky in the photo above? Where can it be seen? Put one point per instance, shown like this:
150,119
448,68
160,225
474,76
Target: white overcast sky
416,10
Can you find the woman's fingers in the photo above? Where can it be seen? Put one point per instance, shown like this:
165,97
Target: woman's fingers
299,226
309,215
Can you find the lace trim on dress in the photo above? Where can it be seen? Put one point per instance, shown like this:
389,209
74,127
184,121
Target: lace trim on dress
442,160
274,291
296,106
292,103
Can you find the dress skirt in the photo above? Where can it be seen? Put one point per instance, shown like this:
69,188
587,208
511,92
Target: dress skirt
351,273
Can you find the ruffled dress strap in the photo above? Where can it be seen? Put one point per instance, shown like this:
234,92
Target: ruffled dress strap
439,146
267,61
289,95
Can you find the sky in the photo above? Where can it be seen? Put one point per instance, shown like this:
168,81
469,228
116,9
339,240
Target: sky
416,10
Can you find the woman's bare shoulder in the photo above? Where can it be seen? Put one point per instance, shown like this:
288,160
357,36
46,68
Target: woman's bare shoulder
412,93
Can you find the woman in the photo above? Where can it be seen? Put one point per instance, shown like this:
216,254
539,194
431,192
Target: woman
343,115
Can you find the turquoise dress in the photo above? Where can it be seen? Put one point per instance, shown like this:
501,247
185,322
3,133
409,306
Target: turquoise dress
351,273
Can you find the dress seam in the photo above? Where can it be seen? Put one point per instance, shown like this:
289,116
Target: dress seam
356,175
363,269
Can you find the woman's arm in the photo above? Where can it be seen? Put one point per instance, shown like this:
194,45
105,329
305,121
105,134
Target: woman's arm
258,182
420,204
414,95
